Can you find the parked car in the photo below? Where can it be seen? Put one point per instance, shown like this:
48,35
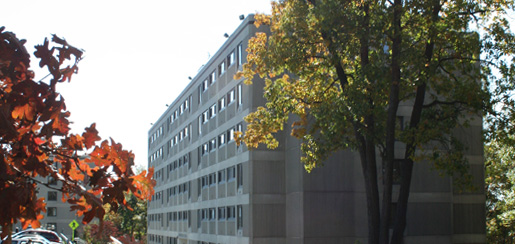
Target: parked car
30,239
51,236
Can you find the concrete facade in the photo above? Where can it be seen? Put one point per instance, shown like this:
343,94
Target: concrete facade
209,190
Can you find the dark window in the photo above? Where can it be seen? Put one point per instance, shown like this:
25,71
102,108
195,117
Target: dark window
52,196
52,211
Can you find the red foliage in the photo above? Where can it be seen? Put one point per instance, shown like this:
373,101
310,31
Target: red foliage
101,233
35,140
126,239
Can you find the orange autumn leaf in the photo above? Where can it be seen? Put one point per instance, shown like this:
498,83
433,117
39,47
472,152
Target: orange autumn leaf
23,112
90,136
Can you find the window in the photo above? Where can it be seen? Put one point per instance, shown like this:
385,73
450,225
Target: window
200,91
212,111
205,148
188,216
221,176
230,173
230,97
212,144
212,214
200,124
240,54
239,217
221,140
51,211
221,213
213,77
240,101
221,104
204,181
199,186
52,181
52,196
230,212
221,68
205,85
204,214
205,116
239,175
230,134
212,179
190,102
199,217
230,59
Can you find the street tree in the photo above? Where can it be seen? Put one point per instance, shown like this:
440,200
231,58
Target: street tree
342,69
131,220
36,142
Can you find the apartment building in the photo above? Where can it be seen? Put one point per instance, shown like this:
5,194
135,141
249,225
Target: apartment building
211,191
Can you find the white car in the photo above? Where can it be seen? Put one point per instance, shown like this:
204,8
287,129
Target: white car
49,235
30,239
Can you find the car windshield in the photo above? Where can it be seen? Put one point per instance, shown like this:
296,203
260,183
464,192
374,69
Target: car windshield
49,236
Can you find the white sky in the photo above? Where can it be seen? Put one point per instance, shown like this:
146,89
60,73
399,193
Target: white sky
138,56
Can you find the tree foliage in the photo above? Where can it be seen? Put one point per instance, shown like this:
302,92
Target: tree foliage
345,71
36,143
100,233
500,186
131,220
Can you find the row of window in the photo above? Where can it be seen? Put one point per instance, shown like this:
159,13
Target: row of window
220,140
228,213
225,175
157,154
179,111
156,134
221,214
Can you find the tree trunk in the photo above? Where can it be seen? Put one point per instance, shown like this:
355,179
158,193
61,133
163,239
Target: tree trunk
368,166
393,105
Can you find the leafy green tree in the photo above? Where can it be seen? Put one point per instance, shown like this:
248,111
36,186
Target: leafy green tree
500,186
132,219
344,69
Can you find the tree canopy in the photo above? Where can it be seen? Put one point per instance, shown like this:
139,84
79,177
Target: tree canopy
36,144
367,75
